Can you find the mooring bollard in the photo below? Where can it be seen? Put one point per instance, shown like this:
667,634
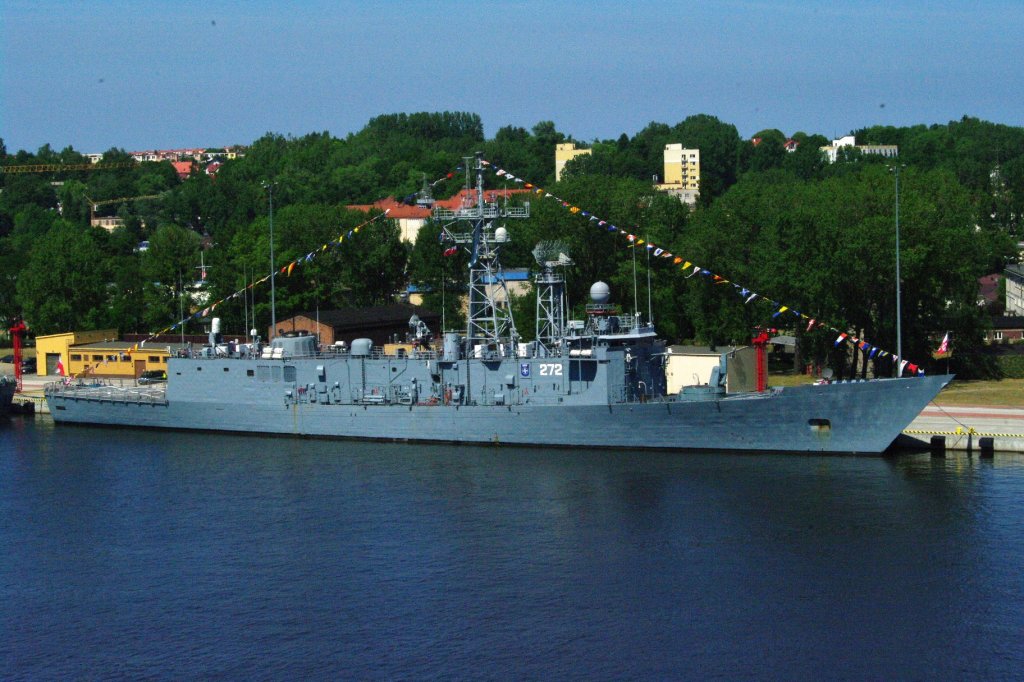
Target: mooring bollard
986,446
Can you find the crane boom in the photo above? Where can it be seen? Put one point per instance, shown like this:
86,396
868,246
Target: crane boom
61,167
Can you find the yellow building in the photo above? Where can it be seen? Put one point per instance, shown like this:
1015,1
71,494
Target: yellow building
682,173
564,153
118,359
109,359
52,347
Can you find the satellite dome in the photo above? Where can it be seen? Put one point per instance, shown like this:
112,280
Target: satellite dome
600,292
501,235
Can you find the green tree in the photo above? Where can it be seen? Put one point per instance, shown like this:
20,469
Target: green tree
719,145
168,270
60,288
765,150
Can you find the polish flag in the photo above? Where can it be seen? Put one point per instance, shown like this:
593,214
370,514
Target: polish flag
60,365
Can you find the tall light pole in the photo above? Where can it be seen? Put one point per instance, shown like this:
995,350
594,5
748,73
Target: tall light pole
269,186
899,315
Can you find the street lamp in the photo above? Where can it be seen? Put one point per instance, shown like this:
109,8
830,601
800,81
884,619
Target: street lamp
899,333
269,186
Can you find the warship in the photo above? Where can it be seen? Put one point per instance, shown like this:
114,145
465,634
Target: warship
598,382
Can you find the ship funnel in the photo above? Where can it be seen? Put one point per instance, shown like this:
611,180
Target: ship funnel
215,332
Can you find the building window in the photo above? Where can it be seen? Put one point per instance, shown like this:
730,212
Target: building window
154,358
76,357
998,336
97,358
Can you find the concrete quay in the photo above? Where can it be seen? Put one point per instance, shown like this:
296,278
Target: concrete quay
963,427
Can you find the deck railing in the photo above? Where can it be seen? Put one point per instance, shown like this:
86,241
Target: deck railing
104,391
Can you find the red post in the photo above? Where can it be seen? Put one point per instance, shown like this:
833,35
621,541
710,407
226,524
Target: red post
17,333
760,342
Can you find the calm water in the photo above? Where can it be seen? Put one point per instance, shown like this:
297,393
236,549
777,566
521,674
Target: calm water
134,554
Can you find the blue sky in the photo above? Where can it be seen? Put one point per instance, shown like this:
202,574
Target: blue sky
142,75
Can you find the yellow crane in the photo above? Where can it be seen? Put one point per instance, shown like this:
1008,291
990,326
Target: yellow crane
60,167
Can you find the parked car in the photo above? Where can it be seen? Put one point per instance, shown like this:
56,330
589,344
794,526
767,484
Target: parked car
152,376
28,366
7,358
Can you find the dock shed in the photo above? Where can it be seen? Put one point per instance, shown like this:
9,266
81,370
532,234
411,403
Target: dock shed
53,347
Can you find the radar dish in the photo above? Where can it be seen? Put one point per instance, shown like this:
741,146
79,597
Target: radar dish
552,253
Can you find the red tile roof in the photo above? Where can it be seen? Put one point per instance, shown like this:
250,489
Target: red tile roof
183,168
396,209
988,287
468,197
462,198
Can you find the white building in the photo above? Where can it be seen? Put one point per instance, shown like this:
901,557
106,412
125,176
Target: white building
832,150
1015,290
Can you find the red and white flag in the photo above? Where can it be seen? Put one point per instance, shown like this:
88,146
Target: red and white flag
944,346
60,365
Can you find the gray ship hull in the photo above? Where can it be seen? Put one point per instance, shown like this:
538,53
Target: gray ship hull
856,417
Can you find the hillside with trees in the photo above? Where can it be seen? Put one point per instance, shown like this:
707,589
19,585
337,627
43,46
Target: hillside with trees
818,237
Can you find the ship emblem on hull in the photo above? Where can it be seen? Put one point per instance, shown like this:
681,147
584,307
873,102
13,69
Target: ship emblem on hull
524,369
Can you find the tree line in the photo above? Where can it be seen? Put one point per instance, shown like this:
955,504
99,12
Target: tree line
819,237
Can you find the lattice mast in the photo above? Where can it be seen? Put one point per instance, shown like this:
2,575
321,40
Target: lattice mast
489,323
551,304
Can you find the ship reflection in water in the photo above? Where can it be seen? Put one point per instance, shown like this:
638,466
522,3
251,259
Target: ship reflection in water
136,553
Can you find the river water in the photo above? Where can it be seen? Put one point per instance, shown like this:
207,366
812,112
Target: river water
130,554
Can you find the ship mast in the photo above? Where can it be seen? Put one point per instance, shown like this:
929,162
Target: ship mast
551,306
490,328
